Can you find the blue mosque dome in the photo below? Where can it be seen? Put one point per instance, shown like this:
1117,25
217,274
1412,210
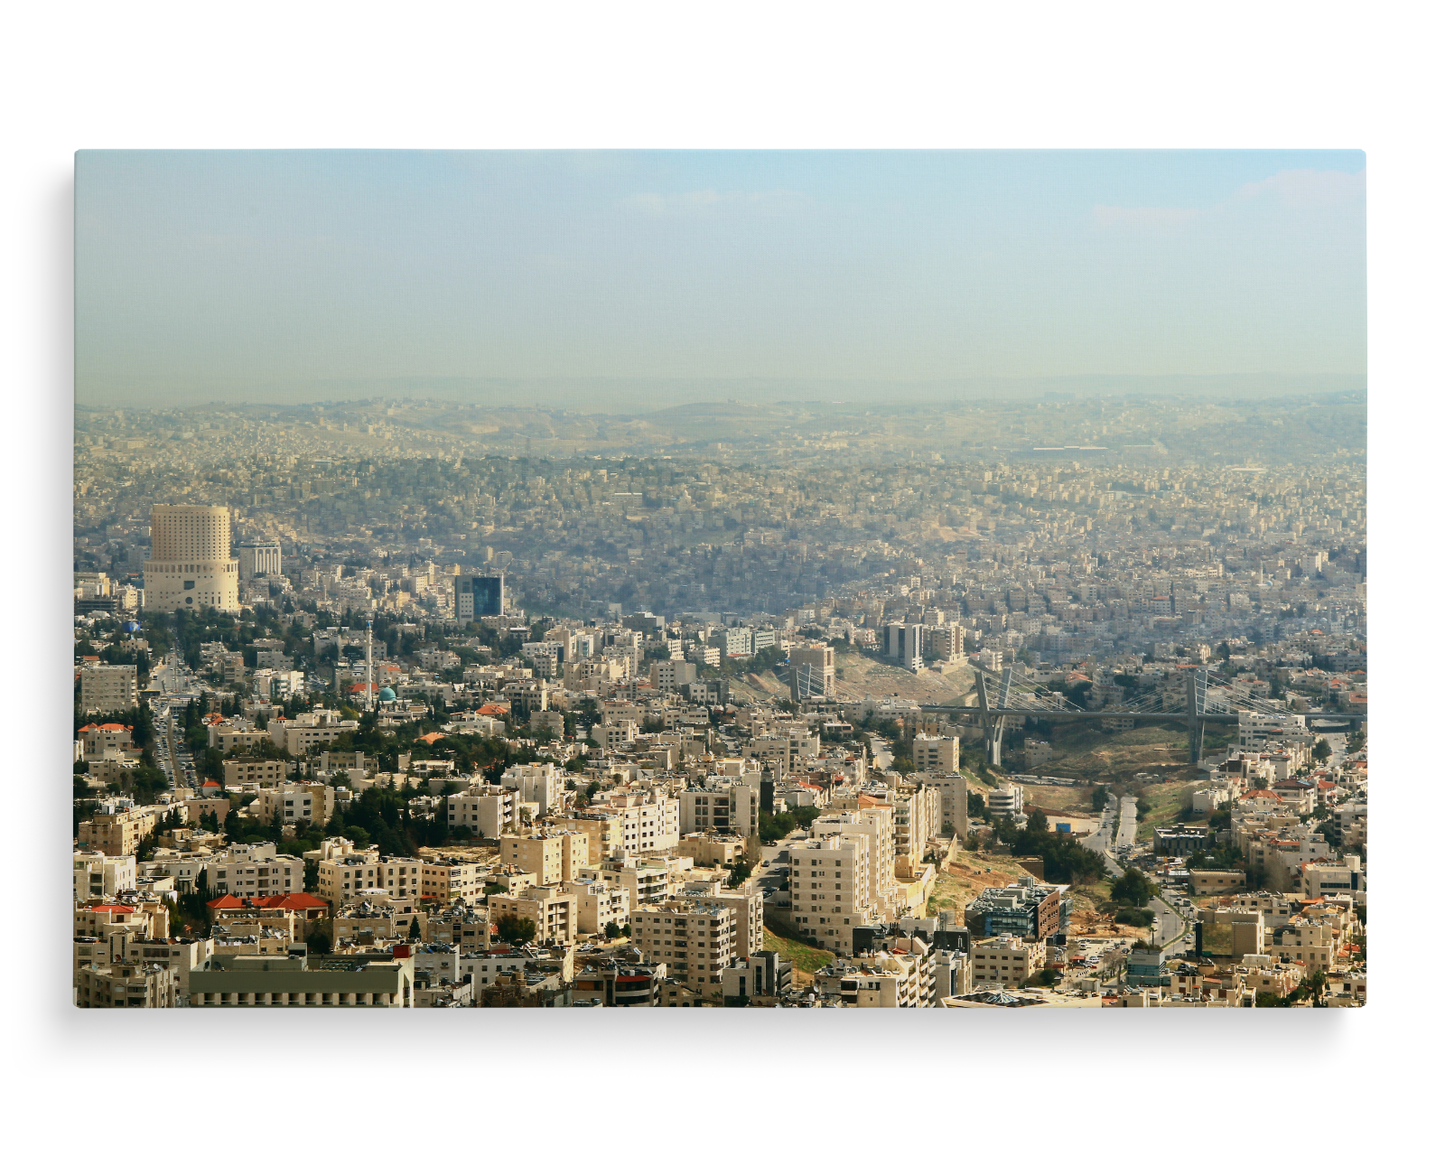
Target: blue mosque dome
387,695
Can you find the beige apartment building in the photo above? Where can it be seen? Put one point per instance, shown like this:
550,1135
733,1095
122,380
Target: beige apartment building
236,773
696,941
873,826
126,985
296,981
952,790
937,754
104,740
598,905
451,879
831,888
341,880
551,858
190,564
104,689
1006,960
820,658
552,910
603,830
120,833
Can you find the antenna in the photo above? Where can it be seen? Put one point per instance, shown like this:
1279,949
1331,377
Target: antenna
369,705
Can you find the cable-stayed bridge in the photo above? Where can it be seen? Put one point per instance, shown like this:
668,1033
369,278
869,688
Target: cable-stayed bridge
1007,694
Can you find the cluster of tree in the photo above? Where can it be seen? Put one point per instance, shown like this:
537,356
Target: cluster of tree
1066,860
516,929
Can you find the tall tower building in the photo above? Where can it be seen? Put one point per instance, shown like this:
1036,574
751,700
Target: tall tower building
190,566
478,596
258,559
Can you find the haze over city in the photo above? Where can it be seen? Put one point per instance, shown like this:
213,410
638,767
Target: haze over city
633,280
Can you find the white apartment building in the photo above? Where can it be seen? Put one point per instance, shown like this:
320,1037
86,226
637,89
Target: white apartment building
730,806
878,893
255,872
650,825
1006,801
484,810
540,783
297,736
97,875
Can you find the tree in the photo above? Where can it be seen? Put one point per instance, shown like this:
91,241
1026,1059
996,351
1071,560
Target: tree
318,943
949,831
1134,888
516,929
612,931
1048,977
1321,750
1099,799
414,931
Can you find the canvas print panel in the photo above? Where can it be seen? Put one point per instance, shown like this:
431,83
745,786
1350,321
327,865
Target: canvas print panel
754,579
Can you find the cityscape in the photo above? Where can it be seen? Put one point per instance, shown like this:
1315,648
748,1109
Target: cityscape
373,709
794,581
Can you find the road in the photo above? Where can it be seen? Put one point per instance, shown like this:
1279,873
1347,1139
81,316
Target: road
1171,931
882,752
1102,840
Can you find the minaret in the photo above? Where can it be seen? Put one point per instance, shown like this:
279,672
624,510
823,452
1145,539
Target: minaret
369,705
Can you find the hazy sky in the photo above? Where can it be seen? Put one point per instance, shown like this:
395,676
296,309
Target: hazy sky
251,271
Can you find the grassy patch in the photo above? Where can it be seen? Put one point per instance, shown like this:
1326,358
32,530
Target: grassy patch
806,960
1165,800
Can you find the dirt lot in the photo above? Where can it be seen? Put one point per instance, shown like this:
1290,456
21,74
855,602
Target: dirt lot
962,881
859,675
1074,799
1085,749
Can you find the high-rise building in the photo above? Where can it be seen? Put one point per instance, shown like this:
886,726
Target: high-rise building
108,689
190,566
477,596
257,559
903,641
820,658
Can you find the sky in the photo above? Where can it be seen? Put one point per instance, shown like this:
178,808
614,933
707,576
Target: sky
267,275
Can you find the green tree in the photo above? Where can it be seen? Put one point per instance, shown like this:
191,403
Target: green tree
1321,750
1099,799
318,943
612,931
516,929
414,931
1134,888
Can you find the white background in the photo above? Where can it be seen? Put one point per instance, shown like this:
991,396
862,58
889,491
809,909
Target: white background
85,75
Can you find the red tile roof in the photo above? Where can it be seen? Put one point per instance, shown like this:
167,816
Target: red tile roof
296,901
